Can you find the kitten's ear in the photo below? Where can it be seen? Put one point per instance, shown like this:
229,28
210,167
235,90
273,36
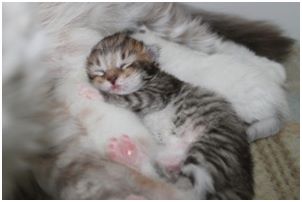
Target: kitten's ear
153,51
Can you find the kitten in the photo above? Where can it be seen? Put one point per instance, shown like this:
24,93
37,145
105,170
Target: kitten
254,85
212,136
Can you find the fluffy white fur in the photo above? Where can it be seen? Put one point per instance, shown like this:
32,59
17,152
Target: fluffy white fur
267,106
254,85
33,121
72,29
20,35
67,116
102,121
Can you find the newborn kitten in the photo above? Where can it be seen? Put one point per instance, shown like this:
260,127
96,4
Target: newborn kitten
216,158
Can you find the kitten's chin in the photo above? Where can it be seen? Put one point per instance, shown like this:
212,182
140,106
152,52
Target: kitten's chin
123,91
120,92
119,89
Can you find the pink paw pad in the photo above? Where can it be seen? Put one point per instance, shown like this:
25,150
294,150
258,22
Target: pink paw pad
124,150
89,93
171,165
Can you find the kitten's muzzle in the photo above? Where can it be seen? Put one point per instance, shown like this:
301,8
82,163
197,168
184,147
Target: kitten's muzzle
112,75
112,78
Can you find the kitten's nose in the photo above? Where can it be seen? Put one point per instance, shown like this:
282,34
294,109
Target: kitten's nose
112,78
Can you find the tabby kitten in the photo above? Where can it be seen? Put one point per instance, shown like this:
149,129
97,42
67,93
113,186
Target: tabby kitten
216,161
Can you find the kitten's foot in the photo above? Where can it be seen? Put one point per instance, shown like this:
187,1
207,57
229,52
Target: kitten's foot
171,164
89,92
169,167
171,156
125,151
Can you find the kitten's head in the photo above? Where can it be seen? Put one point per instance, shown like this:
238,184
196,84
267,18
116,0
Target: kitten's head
119,64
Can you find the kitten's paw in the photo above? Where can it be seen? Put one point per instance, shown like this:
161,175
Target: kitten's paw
264,128
125,151
169,167
89,92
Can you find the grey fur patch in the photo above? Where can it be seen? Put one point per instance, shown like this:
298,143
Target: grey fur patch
261,37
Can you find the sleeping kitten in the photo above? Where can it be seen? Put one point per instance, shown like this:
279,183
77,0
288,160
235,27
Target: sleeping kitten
204,125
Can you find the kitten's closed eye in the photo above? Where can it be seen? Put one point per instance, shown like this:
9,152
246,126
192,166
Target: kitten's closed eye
123,66
99,72
123,56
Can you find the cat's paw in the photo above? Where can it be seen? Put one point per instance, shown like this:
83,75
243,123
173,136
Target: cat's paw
89,92
125,151
168,168
171,163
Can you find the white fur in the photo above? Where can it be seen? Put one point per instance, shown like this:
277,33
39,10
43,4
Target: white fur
103,121
160,123
72,30
254,85
204,181
23,45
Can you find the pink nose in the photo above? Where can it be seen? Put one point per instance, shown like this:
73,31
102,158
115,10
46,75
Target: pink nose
112,79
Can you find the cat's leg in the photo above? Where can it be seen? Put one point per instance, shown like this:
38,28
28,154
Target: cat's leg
134,153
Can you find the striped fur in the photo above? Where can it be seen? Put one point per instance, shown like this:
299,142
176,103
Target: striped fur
217,152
